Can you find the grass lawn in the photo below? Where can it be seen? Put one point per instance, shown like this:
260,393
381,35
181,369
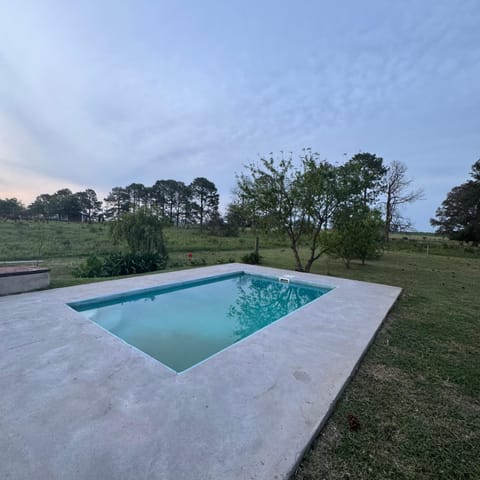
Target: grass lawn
416,394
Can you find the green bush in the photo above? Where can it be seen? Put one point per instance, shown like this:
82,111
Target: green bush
142,231
357,233
91,267
252,258
117,263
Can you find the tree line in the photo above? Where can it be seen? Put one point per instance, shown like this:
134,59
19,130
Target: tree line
61,205
359,204
174,201
170,200
347,210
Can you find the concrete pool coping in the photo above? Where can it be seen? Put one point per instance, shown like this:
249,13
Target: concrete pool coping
22,278
79,403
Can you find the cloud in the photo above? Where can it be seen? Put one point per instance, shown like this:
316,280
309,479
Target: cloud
106,94
25,185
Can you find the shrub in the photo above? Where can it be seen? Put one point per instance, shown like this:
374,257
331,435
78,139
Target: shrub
357,234
91,267
142,231
218,227
221,260
116,264
252,258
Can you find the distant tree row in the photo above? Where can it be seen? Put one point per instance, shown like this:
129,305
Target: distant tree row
62,205
66,205
169,200
174,201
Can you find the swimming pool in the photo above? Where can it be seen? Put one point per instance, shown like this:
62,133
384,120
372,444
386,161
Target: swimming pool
183,324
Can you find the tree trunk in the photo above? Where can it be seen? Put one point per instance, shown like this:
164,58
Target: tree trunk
313,250
298,261
388,215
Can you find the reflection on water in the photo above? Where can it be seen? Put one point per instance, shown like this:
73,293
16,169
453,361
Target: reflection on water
260,302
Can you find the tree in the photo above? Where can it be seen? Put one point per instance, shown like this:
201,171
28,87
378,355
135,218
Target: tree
270,192
205,199
364,177
118,202
237,215
397,193
66,205
11,208
42,206
62,205
157,198
459,215
89,204
357,233
475,173
183,204
142,231
166,193
137,194
298,201
322,195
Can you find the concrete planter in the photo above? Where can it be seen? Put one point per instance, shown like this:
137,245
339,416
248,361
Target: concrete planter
23,279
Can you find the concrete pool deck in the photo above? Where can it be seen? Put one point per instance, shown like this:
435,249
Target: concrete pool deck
78,403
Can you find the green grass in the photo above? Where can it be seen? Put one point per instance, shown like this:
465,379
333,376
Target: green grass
416,393
41,240
429,244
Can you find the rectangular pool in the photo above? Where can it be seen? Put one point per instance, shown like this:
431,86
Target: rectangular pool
182,324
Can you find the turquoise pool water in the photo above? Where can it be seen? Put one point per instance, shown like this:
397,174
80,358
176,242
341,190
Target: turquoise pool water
181,325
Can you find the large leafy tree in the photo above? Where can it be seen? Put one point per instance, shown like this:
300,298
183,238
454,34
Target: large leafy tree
364,178
11,208
322,194
42,206
89,204
299,201
270,193
68,205
459,215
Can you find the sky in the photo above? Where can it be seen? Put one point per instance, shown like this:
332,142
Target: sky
97,94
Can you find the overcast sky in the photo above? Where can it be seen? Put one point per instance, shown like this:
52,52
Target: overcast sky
95,94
